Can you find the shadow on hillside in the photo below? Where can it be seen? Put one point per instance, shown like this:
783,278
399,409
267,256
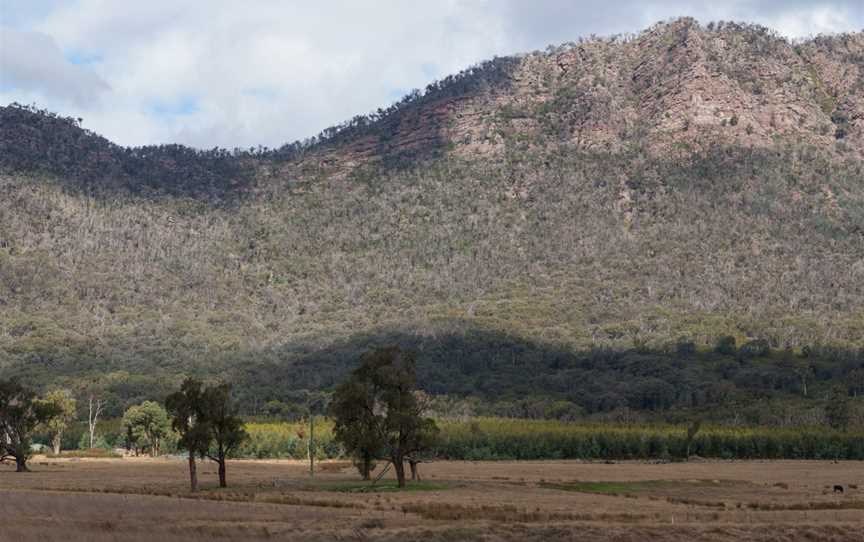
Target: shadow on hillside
498,367
511,375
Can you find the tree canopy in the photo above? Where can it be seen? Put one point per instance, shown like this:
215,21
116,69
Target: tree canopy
207,422
225,428
377,412
20,414
147,426
64,406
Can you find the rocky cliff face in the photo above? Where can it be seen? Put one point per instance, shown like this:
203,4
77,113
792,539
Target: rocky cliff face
674,88
675,85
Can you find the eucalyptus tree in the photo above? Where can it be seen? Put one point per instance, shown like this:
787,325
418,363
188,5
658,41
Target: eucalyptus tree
377,412
21,412
148,425
224,427
64,405
207,421
184,407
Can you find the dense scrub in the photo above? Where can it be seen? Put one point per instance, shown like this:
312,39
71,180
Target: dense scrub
561,295
507,438
521,439
496,438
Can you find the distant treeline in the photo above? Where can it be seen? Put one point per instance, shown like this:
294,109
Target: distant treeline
494,438
514,439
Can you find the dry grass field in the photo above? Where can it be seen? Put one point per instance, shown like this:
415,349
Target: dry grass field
148,499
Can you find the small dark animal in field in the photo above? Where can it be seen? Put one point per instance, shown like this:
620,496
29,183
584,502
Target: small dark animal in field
838,489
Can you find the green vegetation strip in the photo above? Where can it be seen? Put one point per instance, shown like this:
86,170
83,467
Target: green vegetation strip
516,439
608,488
631,487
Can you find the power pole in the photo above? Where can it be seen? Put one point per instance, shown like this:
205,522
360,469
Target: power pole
311,444
315,404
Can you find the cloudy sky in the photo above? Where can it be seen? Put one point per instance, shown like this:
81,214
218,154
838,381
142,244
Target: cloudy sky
232,73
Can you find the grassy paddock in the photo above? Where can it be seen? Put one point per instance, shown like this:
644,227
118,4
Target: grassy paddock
501,438
89,453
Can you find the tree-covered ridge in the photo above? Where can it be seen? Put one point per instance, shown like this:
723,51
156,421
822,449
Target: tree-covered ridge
574,293
675,85
379,131
41,142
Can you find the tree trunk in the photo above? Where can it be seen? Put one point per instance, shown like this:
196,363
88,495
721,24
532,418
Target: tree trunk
21,464
413,465
193,473
399,465
366,466
222,481
55,443
95,408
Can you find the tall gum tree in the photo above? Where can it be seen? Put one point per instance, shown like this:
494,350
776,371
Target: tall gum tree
388,418
184,406
224,426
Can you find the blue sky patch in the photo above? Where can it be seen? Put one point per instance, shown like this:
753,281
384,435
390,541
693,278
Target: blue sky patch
82,58
17,13
181,105
397,94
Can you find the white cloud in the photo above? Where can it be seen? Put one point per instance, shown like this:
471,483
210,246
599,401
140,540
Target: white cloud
32,62
227,73
815,20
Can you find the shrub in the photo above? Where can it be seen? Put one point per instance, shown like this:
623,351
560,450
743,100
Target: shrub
726,345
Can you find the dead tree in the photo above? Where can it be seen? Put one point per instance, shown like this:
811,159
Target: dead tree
95,406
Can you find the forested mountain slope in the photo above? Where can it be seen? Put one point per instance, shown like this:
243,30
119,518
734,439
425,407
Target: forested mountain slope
564,232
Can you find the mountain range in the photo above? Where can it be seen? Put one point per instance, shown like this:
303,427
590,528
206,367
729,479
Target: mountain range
659,222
